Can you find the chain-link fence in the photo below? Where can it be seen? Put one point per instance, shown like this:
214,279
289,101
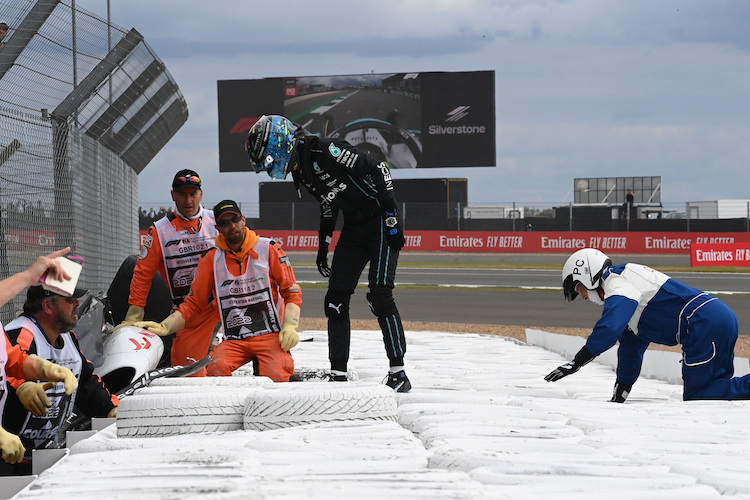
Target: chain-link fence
84,106
703,216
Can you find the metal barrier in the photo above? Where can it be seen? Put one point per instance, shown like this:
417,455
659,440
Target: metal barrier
84,106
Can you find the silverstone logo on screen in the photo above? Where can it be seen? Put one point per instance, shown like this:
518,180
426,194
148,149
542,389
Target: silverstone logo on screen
453,116
458,113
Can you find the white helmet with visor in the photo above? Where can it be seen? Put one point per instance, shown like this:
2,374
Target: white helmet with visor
585,267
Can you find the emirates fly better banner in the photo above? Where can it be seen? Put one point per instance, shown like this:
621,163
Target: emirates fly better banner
706,249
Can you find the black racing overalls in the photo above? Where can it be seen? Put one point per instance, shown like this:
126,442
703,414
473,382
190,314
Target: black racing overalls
345,179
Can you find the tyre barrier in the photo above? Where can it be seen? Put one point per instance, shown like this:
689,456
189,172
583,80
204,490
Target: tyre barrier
213,382
184,406
157,415
302,404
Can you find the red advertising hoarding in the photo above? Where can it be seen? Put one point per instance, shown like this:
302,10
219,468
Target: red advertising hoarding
531,242
19,240
720,254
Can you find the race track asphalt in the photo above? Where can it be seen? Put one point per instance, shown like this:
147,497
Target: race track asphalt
531,308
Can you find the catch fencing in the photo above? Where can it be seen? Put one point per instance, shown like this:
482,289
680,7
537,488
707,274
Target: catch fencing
84,106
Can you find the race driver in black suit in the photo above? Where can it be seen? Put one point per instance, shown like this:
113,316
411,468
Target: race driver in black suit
344,179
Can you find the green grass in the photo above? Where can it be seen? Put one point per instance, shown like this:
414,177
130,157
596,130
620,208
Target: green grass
546,266
360,286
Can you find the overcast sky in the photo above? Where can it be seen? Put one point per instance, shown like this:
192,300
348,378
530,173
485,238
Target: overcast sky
584,88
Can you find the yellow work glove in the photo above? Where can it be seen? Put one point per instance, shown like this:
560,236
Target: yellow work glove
133,316
288,336
11,447
174,323
112,413
57,373
160,329
33,398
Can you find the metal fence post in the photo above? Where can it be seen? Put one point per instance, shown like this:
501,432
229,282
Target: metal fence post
627,223
570,216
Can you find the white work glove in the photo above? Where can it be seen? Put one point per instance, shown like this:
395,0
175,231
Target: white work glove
133,316
11,447
174,323
33,397
57,373
288,336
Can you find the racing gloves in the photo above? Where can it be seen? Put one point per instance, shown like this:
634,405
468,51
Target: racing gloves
288,336
394,231
11,447
133,316
322,260
620,392
581,358
33,397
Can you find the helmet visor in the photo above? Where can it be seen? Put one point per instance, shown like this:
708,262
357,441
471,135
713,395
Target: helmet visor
255,145
569,288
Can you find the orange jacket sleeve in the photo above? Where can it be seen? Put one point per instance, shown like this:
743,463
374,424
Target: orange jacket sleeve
14,366
202,289
150,262
24,340
282,273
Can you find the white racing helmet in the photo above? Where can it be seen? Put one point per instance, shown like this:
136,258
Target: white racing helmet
585,267
128,353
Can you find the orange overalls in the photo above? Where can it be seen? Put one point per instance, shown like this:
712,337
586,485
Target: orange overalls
231,353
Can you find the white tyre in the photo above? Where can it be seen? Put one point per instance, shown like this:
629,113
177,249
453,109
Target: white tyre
156,415
183,389
290,405
212,381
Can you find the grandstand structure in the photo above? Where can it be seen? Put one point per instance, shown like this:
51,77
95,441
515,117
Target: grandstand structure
84,107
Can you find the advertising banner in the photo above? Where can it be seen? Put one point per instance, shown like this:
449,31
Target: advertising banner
410,120
19,240
720,254
534,241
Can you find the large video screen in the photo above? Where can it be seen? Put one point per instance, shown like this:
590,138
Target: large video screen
410,120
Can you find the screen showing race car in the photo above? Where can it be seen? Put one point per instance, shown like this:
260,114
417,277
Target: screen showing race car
410,120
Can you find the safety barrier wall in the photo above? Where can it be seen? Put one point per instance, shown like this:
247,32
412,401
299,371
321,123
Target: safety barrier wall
530,242
84,107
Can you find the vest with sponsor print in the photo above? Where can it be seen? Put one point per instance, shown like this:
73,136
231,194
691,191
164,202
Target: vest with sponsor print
40,430
246,302
181,252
